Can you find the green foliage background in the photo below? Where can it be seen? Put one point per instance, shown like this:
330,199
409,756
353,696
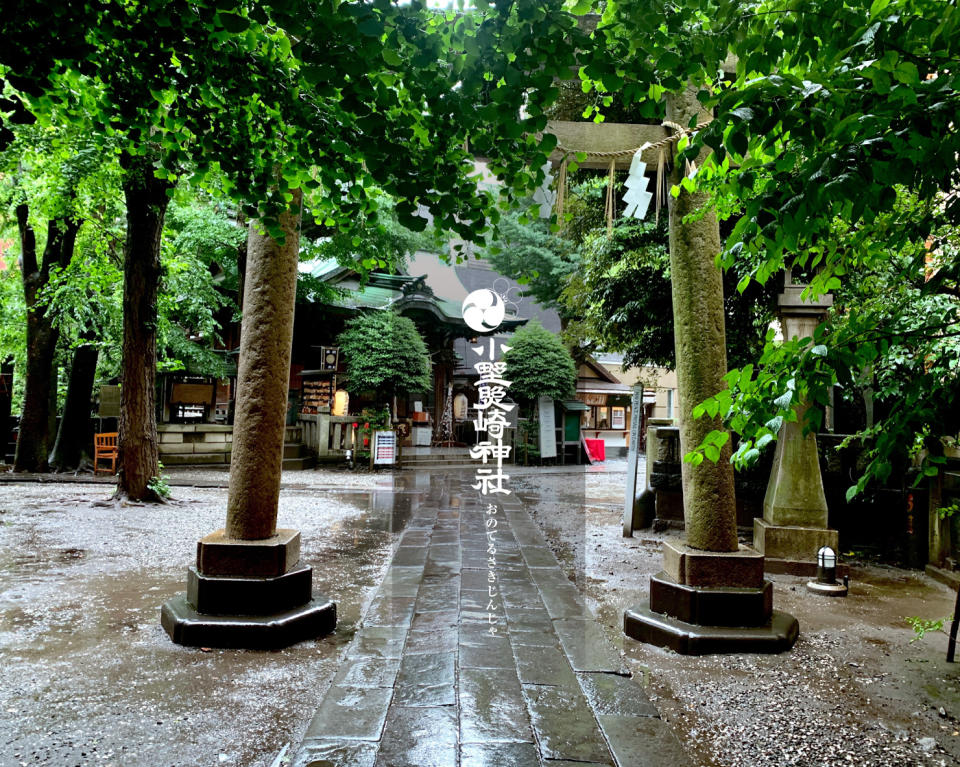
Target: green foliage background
539,365
385,353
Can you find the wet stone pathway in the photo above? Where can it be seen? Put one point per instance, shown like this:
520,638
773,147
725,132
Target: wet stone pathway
425,683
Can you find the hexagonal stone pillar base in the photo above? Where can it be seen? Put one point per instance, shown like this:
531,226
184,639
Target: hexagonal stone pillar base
249,594
777,635
711,606
711,602
188,627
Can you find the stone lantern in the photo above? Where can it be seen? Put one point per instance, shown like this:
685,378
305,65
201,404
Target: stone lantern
794,523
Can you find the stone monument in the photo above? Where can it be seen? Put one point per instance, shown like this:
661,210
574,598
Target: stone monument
666,469
794,523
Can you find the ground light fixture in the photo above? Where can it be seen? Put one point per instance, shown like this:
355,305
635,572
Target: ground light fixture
826,582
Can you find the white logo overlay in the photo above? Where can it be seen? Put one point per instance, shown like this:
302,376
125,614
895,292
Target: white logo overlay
484,309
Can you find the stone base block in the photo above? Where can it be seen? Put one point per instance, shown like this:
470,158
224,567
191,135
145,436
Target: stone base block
711,607
663,525
669,506
186,626
219,555
222,595
695,567
777,635
792,542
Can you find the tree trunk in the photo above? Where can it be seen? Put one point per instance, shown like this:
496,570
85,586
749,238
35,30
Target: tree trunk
146,198
263,380
242,267
6,403
73,437
38,417
709,506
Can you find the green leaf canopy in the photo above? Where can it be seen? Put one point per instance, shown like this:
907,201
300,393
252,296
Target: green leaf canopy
384,352
539,365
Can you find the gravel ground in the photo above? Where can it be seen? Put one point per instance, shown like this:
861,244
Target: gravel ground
853,691
90,678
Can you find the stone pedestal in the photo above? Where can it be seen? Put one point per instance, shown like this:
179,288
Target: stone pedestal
666,480
253,594
787,548
711,602
794,524
652,448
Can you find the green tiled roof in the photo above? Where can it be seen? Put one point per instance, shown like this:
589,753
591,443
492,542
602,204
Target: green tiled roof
369,297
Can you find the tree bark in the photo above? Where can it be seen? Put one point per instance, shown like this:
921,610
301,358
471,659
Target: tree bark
242,268
38,418
6,403
73,437
709,505
263,379
146,199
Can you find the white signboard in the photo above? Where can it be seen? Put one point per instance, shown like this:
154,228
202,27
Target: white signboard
384,448
548,428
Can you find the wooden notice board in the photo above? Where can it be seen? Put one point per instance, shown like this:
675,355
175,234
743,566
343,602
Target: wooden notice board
109,402
192,394
317,393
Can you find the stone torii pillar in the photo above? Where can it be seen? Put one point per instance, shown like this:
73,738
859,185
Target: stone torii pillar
249,587
711,595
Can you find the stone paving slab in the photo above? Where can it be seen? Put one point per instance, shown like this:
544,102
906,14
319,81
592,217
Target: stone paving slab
542,665
336,753
378,641
367,671
352,713
587,646
499,755
609,694
426,680
419,737
431,642
492,708
431,679
642,740
565,725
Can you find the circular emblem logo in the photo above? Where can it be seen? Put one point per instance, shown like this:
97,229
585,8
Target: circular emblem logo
483,310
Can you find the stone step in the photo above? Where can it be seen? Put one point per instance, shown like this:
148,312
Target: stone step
464,456
194,459
299,464
426,459
294,450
